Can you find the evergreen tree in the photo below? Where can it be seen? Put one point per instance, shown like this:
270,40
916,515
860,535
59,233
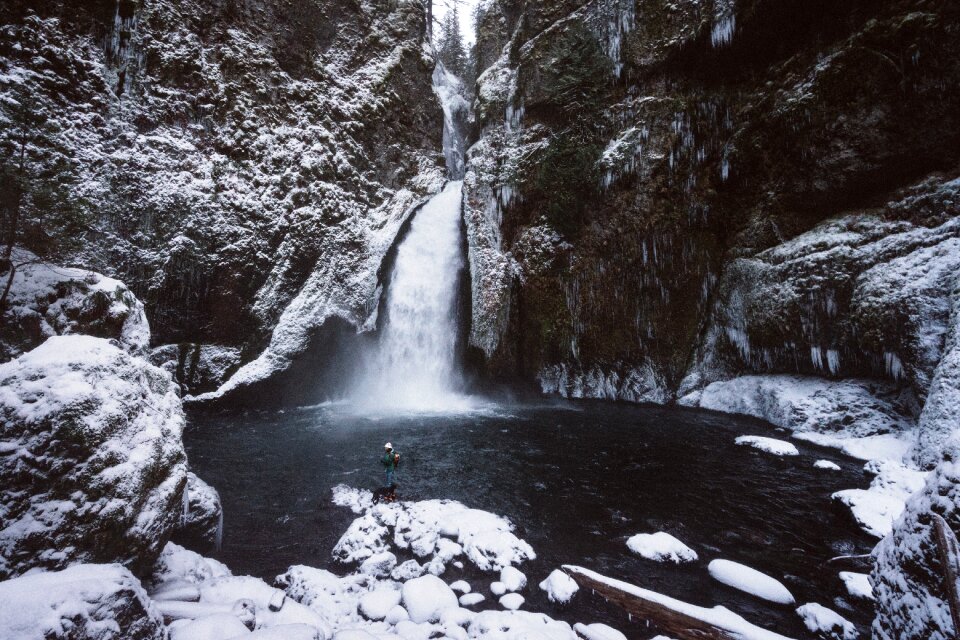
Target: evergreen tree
450,47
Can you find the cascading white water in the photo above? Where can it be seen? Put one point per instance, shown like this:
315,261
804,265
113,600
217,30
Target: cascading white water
415,365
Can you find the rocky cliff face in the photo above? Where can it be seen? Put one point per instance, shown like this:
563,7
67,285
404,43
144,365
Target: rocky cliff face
668,194
228,160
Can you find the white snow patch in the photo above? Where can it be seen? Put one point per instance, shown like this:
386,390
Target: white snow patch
425,597
826,622
661,547
857,584
742,577
826,464
877,508
512,601
770,445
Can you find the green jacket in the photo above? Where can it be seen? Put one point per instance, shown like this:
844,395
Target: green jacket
390,460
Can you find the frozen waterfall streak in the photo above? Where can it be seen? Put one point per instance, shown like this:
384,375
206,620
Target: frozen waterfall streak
415,367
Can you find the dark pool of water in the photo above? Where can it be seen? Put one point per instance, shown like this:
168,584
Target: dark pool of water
576,479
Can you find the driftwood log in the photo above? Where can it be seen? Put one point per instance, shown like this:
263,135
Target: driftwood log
672,621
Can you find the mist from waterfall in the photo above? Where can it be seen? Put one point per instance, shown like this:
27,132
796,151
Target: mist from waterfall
414,367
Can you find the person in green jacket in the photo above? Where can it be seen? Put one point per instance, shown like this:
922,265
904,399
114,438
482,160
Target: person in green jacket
390,462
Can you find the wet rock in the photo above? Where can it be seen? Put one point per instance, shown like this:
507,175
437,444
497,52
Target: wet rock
201,524
82,602
198,368
93,467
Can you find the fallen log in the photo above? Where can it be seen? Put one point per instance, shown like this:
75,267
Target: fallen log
677,618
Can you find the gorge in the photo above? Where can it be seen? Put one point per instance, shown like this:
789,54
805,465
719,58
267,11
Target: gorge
686,269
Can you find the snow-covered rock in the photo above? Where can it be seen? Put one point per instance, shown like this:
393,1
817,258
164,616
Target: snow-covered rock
271,607
857,584
907,577
471,599
93,466
287,632
461,586
425,597
486,539
661,547
597,631
379,565
559,586
378,603
81,602
513,579
512,601
177,566
770,445
827,465
505,625
396,615
497,588
202,523
876,508
47,300
826,623
742,577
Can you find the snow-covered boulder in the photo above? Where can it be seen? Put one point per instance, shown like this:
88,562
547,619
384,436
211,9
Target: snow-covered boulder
826,623
177,567
512,601
471,599
378,603
438,530
425,597
47,300
911,601
742,577
202,522
216,626
93,466
826,465
769,445
513,579
661,547
82,602
559,587
380,565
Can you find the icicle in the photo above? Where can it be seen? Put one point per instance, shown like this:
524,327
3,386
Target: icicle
218,538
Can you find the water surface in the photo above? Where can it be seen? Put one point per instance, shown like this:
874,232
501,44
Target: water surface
576,479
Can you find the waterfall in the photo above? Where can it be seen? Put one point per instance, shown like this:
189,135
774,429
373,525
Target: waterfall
415,365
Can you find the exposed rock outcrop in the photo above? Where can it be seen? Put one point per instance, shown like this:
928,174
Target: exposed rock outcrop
92,466
82,602
201,524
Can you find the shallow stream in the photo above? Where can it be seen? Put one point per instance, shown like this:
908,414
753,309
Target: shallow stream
576,479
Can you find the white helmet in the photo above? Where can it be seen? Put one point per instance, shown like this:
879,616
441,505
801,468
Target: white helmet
388,446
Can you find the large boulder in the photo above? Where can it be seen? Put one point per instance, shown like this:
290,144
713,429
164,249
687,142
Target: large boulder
47,300
92,466
908,577
82,602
